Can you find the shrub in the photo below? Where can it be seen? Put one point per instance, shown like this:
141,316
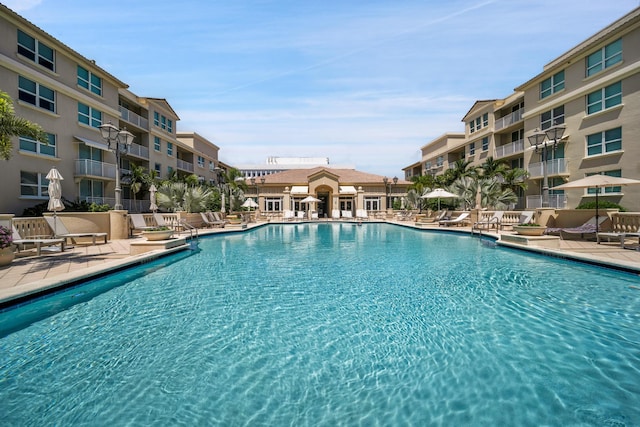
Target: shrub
602,204
6,238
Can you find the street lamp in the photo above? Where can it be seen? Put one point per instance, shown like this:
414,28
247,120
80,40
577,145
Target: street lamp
118,142
395,181
541,141
386,191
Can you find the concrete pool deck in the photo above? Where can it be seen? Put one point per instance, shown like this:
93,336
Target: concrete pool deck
29,274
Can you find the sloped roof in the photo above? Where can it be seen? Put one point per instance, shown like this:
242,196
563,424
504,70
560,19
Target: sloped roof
345,176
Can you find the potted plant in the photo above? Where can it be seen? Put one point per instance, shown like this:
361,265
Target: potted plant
531,229
6,246
158,233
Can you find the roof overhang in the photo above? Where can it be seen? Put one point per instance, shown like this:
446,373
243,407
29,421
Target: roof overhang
348,189
300,189
91,143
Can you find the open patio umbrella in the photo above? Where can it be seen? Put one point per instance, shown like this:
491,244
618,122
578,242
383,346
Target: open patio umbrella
597,181
250,203
310,199
152,198
55,195
439,193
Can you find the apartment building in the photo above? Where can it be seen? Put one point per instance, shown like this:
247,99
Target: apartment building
593,91
70,96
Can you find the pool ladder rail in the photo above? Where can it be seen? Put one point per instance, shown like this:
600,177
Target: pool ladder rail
193,231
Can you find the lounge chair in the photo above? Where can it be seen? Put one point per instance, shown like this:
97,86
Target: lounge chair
217,216
289,215
61,231
362,214
211,221
314,215
300,215
161,222
493,221
588,227
437,216
23,243
463,218
335,214
347,214
138,224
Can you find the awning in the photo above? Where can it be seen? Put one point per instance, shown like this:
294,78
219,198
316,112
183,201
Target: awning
348,189
300,189
91,143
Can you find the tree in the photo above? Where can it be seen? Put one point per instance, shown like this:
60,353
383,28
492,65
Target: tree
11,126
491,168
136,178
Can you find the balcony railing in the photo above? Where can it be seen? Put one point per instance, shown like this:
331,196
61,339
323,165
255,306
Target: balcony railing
86,167
515,147
133,118
185,166
554,167
558,201
508,120
128,204
139,151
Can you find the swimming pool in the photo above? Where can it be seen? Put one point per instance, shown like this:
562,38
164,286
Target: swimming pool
333,324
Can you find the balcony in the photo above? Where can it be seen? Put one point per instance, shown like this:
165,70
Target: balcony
185,166
140,151
557,201
133,118
508,120
93,168
128,204
506,150
554,167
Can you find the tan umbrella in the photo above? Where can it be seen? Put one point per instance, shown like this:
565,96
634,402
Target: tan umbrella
250,203
152,198
55,195
597,181
439,193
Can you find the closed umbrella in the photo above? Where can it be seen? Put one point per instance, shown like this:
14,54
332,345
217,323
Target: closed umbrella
597,181
55,195
439,193
152,198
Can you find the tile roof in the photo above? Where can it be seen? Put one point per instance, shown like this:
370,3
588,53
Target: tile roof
345,176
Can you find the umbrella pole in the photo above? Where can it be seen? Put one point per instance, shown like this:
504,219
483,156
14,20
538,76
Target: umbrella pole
597,191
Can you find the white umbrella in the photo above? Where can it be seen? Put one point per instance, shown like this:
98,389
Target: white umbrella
310,199
250,203
152,198
55,194
597,181
439,193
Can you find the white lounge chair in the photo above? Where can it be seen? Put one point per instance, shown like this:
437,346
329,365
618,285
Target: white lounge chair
347,214
210,221
138,223
362,214
161,222
463,218
300,215
289,215
26,243
314,215
335,214
61,231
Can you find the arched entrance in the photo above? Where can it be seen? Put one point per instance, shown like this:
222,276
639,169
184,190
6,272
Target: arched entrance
324,208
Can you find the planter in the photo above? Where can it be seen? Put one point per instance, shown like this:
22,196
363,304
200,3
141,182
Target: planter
158,235
529,230
6,256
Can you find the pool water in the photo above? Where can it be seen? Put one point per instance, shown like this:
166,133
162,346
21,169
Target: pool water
331,324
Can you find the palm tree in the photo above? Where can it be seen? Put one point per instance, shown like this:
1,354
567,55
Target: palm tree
178,196
11,126
491,167
136,178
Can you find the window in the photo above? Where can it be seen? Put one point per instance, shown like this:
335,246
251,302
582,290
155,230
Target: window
212,166
156,144
551,117
372,203
36,94
485,143
170,126
169,148
472,148
89,81
89,116
439,161
89,153
552,85
90,190
156,118
158,168
169,171
472,126
273,204
485,119
427,165
604,58
201,161
604,98
604,142
33,185
478,123
615,189
37,147
38,52
163,122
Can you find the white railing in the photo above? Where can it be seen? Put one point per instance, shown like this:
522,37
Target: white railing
508,120
515,147
557,201
554,167
128,204
132,117
185,165
139,151
86,167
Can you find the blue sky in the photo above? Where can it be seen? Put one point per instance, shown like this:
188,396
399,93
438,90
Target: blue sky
365,83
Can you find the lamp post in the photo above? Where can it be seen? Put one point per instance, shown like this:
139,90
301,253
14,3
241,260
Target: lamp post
541,141
118,142
386,191
395,181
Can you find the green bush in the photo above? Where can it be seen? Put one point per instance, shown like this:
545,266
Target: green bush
602,204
